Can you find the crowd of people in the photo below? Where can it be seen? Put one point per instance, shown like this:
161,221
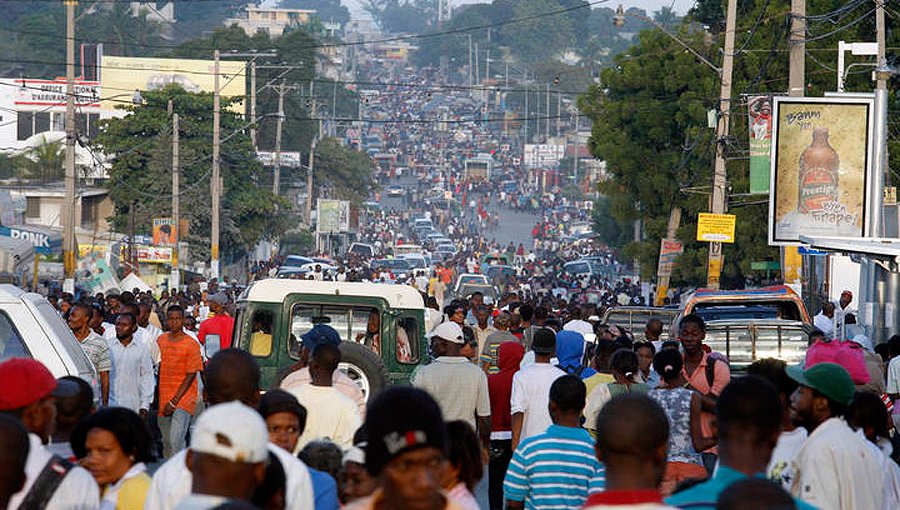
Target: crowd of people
516,402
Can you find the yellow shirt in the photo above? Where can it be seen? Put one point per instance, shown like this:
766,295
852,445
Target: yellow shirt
591,382
133,492
260,344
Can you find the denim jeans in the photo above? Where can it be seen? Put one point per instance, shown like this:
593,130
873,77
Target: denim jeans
174,431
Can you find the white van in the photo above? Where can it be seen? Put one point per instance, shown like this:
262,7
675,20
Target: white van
31,328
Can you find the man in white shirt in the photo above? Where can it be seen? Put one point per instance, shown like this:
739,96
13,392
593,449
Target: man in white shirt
893,378
531,389
458,385
332,415
29,392
835,467
824,320
131,379
323,333
576,323
230,375
227,457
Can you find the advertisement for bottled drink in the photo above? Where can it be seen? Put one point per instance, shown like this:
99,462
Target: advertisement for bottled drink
820,164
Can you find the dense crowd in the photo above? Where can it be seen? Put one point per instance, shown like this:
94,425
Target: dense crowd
519,397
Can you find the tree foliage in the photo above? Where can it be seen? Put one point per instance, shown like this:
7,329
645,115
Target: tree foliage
343,172
140,176
650,125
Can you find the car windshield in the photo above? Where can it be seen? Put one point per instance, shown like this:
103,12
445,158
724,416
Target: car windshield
785,310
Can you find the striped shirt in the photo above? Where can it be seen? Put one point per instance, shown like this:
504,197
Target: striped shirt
553,470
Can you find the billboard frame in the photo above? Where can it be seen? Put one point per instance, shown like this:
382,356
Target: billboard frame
868,136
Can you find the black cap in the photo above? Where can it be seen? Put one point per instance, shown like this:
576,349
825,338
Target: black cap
392,429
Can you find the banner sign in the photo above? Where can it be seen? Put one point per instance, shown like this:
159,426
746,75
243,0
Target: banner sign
716,228
543,155
760,123
821,162
164,232
53,93
669,250
45,243
148,254
288,159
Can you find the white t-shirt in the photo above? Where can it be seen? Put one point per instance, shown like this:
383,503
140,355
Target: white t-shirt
329,414
77,491
172,482
783,464
583,327
531,395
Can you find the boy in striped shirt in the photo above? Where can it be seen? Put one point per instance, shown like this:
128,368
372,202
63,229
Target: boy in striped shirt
555,469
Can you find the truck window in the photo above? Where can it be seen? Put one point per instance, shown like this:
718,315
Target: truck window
11,345
261,336
407,340
351,323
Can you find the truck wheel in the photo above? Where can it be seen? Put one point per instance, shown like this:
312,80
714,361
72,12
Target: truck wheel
364,367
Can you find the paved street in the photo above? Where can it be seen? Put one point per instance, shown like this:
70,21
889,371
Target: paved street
514,226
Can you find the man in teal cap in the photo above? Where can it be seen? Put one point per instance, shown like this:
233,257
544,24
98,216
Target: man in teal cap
835,467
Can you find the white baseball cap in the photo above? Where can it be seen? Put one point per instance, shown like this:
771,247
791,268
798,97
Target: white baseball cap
449,331
232,431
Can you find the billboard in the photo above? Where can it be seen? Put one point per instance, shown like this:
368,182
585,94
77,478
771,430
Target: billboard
121,76
821,162
543,155
760,126
164,232
333,216
669,250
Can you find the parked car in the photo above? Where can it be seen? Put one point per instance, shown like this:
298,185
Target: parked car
31,328
272,316
396,190
366,251
470,278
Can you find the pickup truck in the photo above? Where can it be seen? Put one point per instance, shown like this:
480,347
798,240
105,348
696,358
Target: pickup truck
747,325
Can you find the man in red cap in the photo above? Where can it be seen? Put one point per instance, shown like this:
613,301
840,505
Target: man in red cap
29,394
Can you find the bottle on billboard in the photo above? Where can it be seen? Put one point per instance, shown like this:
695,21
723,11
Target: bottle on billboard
819,164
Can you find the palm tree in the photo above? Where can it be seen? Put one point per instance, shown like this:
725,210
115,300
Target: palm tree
43,162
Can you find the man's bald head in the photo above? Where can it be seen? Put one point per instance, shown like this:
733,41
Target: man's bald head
632,438
13,454
232,374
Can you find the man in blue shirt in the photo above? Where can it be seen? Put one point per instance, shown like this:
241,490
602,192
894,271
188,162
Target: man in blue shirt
554,469
748,415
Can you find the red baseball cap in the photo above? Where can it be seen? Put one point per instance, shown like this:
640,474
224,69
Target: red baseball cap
25,381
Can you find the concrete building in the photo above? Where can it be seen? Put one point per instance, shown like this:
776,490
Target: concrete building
270,20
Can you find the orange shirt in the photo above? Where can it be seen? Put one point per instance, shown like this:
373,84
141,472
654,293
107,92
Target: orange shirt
446,275
721,378
178,358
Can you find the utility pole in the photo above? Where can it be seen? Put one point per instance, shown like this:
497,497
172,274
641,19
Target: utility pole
470,58
558,112
797,43
175,282
253,104
526,113
547,123
214,184
282,89
68,213
718,198
312,159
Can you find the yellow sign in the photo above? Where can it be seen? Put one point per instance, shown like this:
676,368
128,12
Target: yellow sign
121,76
85,250
793,265
716,228
713,271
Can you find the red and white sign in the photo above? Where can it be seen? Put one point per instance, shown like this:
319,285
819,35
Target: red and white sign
53,93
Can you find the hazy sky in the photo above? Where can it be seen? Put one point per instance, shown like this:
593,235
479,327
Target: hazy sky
680,6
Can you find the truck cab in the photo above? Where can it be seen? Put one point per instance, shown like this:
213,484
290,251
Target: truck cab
381,327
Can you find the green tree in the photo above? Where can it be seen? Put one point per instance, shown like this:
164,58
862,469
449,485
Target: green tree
326,10
344,172
140,176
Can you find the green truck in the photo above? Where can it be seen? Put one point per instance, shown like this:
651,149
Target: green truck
381,327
